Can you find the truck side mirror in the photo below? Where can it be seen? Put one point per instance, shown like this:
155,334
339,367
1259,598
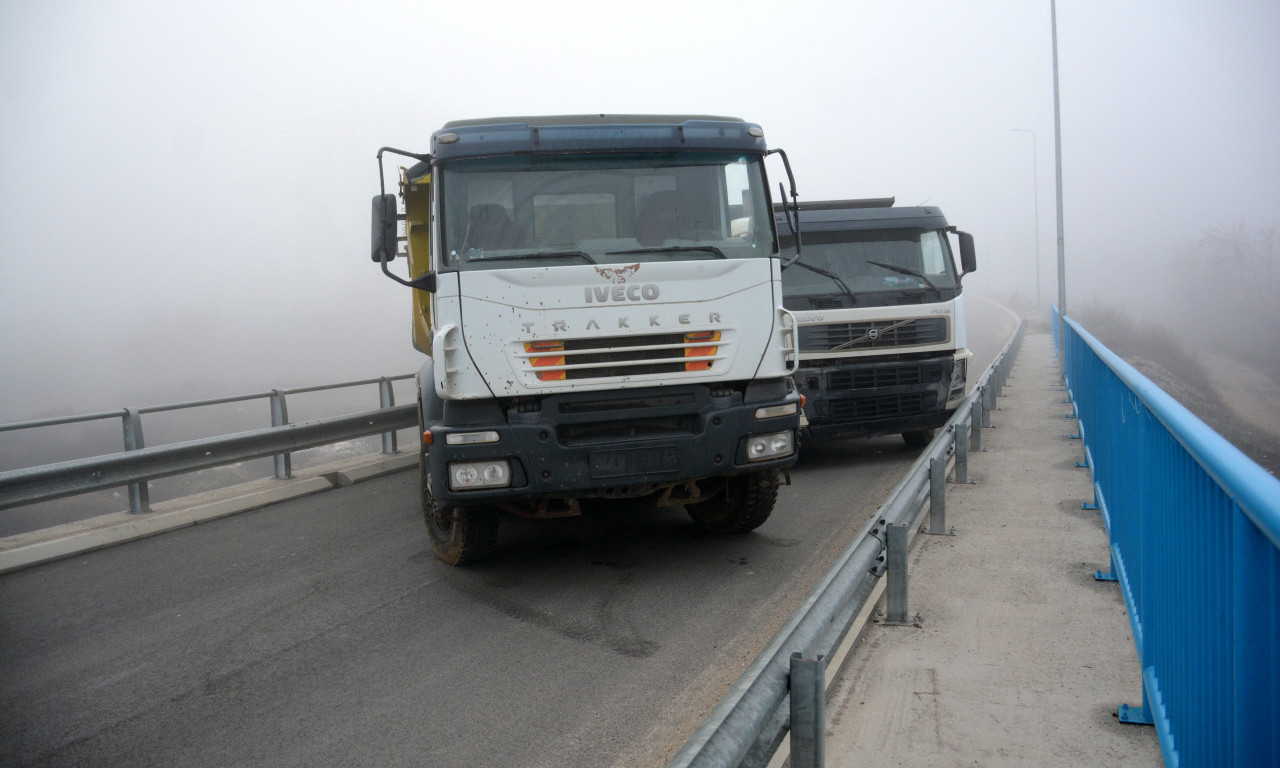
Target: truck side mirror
384,245
968,261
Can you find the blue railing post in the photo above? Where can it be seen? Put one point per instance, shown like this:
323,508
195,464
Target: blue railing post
1255,583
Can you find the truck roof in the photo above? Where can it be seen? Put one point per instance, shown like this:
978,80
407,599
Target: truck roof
594,133
837,215
601,119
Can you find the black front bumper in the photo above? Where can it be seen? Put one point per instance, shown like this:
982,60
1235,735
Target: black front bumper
614,443
865,399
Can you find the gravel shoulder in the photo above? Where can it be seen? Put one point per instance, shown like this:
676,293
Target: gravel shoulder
1244,406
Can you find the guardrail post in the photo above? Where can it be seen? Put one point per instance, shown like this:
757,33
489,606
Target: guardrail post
975,424
386,399
139,492
897,537
808,711
988,405
938,498
961,438
279,418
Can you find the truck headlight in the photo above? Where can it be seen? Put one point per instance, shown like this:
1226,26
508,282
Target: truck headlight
761,447
958,375
464,475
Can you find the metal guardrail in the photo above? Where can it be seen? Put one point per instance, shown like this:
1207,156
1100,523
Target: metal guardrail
138,464
1194,528
784,689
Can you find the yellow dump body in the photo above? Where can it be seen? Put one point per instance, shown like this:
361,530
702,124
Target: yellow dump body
417,227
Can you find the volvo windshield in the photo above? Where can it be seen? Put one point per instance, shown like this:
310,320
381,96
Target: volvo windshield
867,268
552,209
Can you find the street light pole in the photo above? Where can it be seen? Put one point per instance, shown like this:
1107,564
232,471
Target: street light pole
1057,157
1035,192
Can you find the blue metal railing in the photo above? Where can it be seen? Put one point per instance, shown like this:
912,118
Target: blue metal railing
1194,528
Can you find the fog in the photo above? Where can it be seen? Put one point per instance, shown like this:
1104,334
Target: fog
184,190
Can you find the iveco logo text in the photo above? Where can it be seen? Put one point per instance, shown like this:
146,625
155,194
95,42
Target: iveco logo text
605,293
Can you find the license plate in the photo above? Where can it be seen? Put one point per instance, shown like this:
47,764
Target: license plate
634,461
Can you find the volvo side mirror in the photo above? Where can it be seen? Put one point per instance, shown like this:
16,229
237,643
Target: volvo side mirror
968,260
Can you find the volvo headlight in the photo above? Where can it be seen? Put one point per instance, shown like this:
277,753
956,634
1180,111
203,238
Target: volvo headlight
958,375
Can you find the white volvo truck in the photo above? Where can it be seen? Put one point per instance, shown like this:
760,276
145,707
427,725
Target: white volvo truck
599,299
883,346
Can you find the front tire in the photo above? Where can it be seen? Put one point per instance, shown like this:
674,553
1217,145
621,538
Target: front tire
459,535
744,505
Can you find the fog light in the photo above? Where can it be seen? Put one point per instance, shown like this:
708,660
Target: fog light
761,447
479,474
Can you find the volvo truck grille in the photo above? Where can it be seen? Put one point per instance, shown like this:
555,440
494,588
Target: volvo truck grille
880,334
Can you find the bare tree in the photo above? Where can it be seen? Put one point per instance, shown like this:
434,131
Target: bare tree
1228,282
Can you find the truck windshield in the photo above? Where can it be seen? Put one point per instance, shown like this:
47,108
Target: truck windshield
547,210
878,267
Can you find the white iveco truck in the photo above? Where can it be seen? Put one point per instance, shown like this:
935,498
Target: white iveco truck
883,347
600,301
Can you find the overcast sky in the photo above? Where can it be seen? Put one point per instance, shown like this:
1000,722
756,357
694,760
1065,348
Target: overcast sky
184,188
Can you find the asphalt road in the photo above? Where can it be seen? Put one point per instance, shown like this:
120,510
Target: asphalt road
323,632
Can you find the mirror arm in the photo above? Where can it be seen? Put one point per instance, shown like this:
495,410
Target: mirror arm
792,209
426,282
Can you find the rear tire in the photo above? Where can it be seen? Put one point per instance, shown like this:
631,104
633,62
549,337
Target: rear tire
459,535
918,438
744,505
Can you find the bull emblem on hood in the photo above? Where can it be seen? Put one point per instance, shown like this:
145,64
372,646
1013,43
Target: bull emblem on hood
618,275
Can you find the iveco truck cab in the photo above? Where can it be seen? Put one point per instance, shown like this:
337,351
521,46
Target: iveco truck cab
599,301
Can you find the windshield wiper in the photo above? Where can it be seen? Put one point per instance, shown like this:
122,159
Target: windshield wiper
908,272
670,249
832,275
537,255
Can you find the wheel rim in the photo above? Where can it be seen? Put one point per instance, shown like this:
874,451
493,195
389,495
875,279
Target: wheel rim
439,519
